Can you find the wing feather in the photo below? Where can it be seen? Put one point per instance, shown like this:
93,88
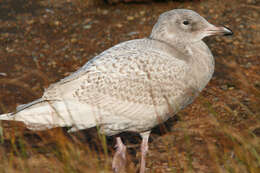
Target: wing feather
127,80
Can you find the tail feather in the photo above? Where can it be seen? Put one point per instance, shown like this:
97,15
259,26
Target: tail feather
7,116
41,115
24,106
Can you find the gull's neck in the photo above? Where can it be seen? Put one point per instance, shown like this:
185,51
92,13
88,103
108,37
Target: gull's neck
182,46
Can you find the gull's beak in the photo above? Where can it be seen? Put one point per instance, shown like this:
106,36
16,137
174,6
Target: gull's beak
213,30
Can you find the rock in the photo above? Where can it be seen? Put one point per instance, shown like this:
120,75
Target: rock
73,40
248,65
3,74
57,23
257,131
142,13
132,33
251,1
130,18
126,1
119,25
215,99
88,26
257,84
105,12
224,87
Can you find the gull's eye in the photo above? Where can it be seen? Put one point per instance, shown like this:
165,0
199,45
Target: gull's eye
186,22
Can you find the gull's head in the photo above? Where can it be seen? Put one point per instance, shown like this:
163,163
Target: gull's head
181,25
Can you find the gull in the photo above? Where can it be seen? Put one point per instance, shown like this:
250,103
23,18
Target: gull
132,86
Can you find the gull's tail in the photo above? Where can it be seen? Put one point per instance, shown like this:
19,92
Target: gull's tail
42,114
6,116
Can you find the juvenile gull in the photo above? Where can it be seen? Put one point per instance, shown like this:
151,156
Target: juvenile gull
132,86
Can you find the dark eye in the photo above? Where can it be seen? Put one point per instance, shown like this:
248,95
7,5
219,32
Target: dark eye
186,22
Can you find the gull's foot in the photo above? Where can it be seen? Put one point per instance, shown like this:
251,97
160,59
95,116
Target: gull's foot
119,159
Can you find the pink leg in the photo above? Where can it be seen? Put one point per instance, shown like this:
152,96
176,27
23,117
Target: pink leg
144,149
119,159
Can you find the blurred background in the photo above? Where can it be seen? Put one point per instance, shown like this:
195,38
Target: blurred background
43,41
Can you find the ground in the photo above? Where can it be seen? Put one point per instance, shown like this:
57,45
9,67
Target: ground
44,41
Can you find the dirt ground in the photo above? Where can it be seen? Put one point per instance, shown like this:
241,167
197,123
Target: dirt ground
44,41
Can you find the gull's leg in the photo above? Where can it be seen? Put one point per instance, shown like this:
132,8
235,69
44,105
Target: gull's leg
119,159
144,149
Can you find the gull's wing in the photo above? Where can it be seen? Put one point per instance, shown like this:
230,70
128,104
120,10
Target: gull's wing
125,79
